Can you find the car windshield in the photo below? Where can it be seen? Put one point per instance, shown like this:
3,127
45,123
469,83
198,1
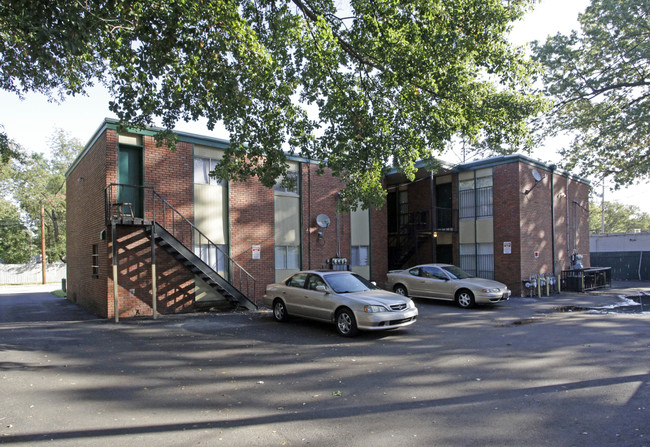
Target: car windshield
456,272
348,282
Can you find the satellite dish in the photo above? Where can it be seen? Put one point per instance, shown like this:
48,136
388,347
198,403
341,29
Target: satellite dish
536,175
322,220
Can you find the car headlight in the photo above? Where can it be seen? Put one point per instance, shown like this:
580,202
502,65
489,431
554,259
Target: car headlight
374,309
410,304
491,290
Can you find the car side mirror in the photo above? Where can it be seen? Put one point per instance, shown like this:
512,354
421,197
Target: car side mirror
321,288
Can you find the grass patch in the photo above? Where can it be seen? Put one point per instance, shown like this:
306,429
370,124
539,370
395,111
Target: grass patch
59,293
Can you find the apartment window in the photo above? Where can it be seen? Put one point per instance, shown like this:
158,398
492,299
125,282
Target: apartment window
95,261
485,260
202,169
475,198
287,257
468,258
484,197
478,259
466,201
403,210
292,179
359,255
213,255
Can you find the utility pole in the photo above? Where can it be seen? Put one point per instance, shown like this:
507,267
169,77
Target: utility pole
602,210
43,242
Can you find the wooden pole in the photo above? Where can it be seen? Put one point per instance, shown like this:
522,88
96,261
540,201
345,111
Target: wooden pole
154,287
116,306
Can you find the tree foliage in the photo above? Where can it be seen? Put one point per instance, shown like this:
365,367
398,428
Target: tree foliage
619,218
15,238
600,80
35,179
373,84
7,151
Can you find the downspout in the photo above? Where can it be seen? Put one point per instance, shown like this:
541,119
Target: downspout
553,215
475,226
370,257
433,216
568,219
338,235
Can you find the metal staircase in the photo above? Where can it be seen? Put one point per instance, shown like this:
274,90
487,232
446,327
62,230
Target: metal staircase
173,233
417,228
197,266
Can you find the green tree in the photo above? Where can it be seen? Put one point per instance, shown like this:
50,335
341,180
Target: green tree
15,238
359,88
619,218
599,78
7,152
36,179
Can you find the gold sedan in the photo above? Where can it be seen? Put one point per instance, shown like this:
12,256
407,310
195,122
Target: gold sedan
446,282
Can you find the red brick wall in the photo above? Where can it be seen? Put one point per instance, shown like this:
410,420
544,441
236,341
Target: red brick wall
319,196
526,220
572,221
175,284
85,221
580,193
168,172
419,197
506,187
171,174
536,221
252,223
378,246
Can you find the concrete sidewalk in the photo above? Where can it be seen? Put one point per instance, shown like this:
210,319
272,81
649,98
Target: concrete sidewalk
610,297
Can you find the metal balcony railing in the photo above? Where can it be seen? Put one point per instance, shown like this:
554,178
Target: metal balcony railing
133,204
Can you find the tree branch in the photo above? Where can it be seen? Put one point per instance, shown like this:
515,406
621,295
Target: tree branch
345,46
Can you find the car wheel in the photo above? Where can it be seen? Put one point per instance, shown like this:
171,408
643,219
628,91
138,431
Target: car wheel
346,324
465,298
280,310
401,290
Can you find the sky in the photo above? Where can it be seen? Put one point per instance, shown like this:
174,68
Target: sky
31,122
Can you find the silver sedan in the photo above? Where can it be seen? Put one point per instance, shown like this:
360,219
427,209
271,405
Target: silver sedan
446,282
343,298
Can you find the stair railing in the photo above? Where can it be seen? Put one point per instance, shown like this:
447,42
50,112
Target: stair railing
156,209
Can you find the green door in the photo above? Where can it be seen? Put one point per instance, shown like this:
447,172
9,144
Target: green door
130,176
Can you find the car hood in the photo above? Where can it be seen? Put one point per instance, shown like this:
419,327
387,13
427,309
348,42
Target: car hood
483,283
376,296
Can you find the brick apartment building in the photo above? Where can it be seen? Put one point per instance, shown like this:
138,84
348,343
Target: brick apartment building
215,243
504,218
177,240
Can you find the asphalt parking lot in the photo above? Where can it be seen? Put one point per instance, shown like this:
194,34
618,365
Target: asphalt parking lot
532,371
